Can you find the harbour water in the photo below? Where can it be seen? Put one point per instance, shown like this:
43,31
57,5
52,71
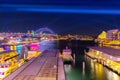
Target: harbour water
85,68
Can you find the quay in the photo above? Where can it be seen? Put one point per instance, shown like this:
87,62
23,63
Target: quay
47,66
109,57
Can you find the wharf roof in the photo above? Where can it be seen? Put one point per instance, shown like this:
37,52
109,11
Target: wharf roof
4,52
106,50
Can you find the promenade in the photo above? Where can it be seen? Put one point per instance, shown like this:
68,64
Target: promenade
47,66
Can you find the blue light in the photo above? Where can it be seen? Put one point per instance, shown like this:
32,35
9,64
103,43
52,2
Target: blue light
19,47
88,11
58,9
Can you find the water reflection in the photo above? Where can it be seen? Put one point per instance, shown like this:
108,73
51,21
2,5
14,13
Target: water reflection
47,45
84,68
112,76
68,68
99,72
89,70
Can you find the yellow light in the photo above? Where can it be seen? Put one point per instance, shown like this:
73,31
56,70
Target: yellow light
102,35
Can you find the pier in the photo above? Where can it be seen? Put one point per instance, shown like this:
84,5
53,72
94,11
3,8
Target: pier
109,57
47,66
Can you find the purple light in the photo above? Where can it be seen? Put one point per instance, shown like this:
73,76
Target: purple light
34,46
7,47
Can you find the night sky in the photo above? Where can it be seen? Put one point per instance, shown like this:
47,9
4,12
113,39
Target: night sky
88,17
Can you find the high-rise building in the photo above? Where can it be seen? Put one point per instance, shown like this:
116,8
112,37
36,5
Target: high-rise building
113,34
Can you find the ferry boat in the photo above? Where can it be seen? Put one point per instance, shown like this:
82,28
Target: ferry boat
66,55
9,62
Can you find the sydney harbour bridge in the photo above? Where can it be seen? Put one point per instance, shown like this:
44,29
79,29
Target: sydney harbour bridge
45,33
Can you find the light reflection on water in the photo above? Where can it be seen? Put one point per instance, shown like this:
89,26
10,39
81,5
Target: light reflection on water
68,68
47,45
112,76
85,68
101,72
90,71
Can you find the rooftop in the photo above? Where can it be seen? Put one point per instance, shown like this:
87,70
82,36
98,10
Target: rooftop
109,51
4,52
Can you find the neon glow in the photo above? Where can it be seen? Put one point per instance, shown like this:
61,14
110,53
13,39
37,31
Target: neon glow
11,47
34,46
7,47
67,51
19,47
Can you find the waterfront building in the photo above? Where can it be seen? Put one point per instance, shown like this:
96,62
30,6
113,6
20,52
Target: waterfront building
102,35
107,56
107,53
110,38
113,34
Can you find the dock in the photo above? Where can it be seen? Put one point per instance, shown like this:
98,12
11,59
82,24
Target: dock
47,66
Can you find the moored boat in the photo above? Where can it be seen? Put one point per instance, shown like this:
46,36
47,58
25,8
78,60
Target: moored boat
9,62
67,55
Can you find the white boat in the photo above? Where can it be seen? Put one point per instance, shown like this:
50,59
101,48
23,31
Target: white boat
66,55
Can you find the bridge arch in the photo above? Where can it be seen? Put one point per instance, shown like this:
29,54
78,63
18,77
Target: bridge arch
42,30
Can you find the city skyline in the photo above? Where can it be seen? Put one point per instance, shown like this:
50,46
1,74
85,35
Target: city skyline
65,18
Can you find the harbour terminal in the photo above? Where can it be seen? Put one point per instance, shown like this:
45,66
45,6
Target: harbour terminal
107,53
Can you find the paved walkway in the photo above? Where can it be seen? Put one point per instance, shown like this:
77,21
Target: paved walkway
47,66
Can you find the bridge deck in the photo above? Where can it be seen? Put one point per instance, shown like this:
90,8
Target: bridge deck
47,66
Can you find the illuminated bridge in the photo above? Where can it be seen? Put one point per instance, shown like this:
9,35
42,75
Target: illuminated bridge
46,33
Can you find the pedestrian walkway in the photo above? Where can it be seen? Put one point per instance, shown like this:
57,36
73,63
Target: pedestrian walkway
47,66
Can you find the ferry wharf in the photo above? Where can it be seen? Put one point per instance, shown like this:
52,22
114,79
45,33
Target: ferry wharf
109,57
47,66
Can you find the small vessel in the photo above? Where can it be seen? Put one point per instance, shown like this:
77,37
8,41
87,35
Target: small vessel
66,55
34,50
